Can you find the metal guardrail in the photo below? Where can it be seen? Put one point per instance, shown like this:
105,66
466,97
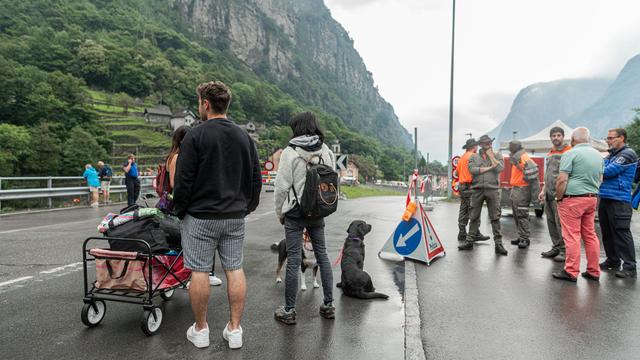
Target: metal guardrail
51,192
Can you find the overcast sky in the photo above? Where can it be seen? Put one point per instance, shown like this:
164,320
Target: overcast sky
501,47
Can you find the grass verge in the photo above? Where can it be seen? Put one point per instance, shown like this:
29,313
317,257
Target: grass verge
354,192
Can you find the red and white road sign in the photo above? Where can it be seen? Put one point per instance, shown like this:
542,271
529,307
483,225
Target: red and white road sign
268,165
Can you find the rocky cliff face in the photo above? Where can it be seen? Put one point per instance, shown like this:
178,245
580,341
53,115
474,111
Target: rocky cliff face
615,107
300,47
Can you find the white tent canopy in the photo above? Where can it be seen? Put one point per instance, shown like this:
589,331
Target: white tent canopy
540,144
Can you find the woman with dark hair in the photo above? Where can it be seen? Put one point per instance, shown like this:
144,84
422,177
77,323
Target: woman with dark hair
305,147
172,159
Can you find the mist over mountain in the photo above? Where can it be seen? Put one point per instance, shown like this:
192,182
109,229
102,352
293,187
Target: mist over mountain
614,108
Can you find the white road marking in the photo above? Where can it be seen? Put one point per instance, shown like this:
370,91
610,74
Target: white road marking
46,226
16,280
402,240
60,268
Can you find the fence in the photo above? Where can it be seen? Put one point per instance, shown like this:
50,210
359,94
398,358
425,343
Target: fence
54,188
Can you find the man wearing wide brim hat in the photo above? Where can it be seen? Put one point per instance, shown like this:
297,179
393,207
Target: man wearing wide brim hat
485,167
464,188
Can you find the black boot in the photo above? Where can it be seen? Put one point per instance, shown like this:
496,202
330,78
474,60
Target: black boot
462,233
551,253
523,244
515,242
467,245
500,250
480,237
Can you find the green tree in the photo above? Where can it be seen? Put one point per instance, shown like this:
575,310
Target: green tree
15,147
79,149
93,63
633,132
47,159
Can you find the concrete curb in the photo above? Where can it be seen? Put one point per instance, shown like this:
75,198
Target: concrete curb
413,349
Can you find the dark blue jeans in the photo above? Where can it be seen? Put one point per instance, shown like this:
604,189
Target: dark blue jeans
133,189
293,234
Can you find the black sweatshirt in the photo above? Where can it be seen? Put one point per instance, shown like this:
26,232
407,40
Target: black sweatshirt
217,173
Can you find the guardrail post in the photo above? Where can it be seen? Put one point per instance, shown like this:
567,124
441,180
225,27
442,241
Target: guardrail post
49,186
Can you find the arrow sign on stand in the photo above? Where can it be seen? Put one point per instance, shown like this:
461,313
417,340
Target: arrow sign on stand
402,240
342,162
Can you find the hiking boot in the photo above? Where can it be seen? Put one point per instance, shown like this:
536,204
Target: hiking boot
515,242
523,244
591,277
284,316
328,311
610,265
623,274
467,245
462,235
551,253
560,258
500,250
480,237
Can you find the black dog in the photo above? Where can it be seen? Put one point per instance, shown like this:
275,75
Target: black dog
308,260
355,281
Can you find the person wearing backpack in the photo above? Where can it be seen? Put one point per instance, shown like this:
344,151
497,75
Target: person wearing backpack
105,175
306,159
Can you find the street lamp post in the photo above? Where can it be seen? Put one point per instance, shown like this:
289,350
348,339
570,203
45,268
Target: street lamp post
453,38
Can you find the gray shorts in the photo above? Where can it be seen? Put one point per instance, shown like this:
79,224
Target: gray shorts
202,237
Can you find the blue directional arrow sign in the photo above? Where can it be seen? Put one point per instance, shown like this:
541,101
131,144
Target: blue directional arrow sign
407,236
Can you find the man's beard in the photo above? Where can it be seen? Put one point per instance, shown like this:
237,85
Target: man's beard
557,143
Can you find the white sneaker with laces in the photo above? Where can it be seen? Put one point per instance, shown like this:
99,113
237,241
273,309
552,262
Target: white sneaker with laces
214,280
233,337
198,338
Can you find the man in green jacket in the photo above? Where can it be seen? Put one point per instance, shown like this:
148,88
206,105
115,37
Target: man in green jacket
485,166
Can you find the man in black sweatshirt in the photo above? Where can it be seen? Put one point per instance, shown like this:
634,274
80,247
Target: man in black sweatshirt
217,184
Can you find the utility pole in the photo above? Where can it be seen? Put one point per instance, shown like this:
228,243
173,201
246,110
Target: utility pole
453,38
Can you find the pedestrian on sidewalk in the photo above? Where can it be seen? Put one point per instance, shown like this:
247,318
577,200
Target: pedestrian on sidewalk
131,179
105,180
525,187
464,188
485,167
615,209
576,194
305,147
548,194
217,184
91,175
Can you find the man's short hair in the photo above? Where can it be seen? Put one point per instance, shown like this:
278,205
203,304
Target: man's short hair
555,130
581,135
218,95
131,156
621,132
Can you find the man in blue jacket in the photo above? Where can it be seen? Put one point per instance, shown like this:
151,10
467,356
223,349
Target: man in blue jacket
615,205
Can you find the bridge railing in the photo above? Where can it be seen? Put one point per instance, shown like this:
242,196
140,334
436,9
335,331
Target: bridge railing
54,189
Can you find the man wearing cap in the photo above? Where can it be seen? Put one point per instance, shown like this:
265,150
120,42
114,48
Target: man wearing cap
464,188
548,193
522,187
485,167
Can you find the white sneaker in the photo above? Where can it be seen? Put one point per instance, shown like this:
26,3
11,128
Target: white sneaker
199,338
214,280
233,337
95,204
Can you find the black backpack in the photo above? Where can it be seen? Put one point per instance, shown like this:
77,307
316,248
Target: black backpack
320,195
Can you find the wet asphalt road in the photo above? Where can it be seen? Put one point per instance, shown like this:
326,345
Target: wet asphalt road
40,314
475,305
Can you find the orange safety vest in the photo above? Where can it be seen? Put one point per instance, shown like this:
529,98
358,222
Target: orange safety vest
463,168
517,176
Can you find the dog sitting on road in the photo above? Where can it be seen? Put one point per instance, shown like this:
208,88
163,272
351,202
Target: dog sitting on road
355,282
308,259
